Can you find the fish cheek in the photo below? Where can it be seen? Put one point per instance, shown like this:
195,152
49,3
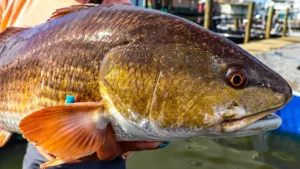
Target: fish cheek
257,99
176,102
184,79
229,103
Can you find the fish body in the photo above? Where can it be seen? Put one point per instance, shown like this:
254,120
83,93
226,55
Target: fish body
154,75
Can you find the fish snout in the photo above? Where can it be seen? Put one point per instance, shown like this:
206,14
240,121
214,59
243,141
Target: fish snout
280,86
284,89
288,93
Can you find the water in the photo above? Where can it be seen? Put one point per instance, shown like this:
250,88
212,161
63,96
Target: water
271,150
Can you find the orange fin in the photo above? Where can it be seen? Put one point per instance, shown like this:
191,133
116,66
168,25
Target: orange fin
56,162
8,32
68,131
74,8
4,137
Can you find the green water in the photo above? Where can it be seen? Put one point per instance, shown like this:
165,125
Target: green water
271,150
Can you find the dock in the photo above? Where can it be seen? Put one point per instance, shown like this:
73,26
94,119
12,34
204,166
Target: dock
265,45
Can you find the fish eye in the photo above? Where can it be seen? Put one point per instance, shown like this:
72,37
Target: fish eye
236,77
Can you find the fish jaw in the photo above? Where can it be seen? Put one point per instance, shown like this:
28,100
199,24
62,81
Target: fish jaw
253,122
258,122
244,126
269,122
235,121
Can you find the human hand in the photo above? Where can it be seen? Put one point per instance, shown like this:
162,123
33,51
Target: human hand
112,149
124,2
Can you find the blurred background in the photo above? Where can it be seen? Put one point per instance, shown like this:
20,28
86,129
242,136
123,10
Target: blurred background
229,17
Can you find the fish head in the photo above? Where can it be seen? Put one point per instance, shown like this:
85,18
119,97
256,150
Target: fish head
188,82
217,93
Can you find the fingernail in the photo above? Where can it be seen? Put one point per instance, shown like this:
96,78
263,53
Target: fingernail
163,144
127,155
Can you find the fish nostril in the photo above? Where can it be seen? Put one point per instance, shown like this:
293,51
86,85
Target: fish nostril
261,84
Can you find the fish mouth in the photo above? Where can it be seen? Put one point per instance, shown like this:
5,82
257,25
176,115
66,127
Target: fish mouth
258,122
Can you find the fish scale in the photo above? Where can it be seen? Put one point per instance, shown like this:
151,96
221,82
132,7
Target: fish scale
42,78
43,93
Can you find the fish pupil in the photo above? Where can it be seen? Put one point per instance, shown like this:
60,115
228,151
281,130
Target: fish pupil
237,79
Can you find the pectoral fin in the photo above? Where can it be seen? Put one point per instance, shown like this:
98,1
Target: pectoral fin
56,162
68,131
4,137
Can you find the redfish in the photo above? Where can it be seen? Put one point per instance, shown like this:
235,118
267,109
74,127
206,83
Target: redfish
151,75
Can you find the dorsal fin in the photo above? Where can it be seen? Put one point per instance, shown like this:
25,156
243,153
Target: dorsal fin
8,32
74,8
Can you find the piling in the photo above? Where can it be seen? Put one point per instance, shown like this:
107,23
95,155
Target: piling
249,24
269,22
236,24
208,14
285,27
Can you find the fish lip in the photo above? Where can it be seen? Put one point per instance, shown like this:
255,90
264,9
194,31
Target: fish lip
269,122
235,125
272,109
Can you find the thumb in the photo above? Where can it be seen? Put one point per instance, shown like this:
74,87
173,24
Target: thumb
109,150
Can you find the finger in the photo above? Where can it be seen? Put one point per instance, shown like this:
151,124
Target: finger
109,150
127,155
56,162
139,145
92,157
50,157
124,2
